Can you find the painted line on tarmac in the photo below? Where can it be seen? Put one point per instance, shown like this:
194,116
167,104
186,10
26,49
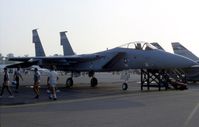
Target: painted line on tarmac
136,94
189,118
79,100
66,101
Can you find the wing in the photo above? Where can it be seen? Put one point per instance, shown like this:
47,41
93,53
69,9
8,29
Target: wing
58,60
22,64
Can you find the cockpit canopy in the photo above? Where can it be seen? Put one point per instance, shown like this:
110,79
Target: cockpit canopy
138,45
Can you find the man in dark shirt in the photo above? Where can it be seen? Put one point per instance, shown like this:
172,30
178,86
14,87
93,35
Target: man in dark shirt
36,83
6,83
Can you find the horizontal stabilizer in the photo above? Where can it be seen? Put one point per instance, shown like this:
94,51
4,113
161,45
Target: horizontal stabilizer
65,60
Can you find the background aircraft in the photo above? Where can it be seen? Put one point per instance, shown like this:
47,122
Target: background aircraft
181,50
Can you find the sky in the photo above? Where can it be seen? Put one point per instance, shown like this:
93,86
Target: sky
95,25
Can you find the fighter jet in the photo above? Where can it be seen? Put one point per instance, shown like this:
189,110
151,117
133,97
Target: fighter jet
193,72
134,55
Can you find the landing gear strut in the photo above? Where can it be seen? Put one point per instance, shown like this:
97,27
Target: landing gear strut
94,81
125,76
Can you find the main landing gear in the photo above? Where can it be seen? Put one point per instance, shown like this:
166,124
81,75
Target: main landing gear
94,81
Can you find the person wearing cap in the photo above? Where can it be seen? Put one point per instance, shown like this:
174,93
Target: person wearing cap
6,84
36,83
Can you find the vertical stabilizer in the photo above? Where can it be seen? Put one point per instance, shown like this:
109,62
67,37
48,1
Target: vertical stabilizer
66,45
157,46
181,50
39,51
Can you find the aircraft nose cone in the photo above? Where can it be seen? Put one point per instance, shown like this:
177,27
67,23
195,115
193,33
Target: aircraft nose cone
183,62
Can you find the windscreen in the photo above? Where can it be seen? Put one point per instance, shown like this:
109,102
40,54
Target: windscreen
139,46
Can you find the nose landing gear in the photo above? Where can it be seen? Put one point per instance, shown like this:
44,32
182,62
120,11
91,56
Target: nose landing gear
124,86
69,82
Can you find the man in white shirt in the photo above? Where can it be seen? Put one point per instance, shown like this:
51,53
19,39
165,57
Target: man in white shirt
17,75
52,80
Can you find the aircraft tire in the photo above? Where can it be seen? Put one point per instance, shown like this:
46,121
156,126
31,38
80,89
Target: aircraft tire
69,82
94,82
124,86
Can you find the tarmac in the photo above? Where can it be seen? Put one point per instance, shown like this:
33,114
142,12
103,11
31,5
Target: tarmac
107,105
109,83
25,94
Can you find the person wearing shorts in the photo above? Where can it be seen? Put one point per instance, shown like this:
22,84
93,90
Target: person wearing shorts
17,75
52,80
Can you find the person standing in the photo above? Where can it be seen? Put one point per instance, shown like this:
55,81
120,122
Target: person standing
17,75
52,80
6,84
37,78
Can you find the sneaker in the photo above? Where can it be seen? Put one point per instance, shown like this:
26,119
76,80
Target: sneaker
54,99
50,96
36,97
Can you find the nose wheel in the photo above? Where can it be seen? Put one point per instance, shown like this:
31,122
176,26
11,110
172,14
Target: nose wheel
94,82
124,86
125,76
69,82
